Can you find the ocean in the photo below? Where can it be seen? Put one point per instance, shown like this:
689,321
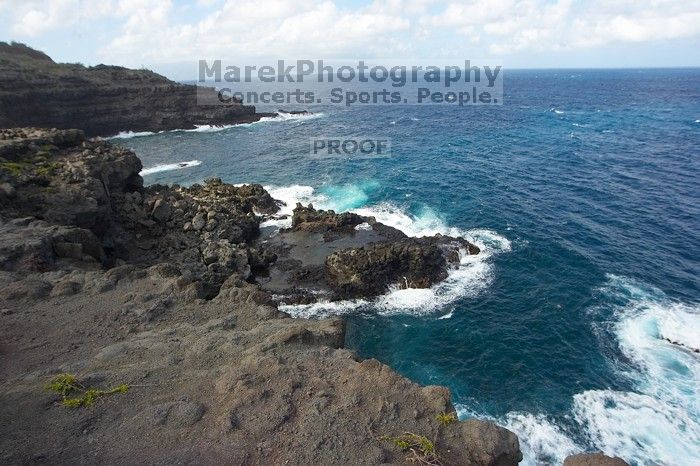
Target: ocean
578,327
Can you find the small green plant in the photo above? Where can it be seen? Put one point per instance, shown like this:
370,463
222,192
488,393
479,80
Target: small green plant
47,169
446,418
91,395
67,384
14,169
63,384
420,449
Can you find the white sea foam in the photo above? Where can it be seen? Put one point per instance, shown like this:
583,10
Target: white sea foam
681,325
638,428
280,117
322,309
542,441
661,340
472,275
196,129
284,117
170,166
290,195
427,223
658,423
206,128
132,134
659,337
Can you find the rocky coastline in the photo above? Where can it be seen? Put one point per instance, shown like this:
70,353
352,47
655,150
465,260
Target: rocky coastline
163,288
104,100
141,323
155,287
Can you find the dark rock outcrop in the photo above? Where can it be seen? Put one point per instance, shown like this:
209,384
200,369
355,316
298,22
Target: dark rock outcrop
321,221
346,255
59,177
32,245
410,262
103,100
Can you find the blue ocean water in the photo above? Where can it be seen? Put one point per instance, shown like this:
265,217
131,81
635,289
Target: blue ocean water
579,326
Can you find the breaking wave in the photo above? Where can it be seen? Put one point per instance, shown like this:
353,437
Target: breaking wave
284,116
280,117
169,166
542,441
132,134
473,274
638,428
658,423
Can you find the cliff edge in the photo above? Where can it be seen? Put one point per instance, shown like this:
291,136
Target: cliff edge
101,100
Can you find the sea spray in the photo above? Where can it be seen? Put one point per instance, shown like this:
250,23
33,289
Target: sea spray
169,167
471,276
280,117
657,424
638,427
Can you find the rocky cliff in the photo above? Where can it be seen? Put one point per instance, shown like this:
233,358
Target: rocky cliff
101,100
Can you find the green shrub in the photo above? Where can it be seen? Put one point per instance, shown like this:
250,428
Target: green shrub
67,384
63,384
446,418
420,449
14,169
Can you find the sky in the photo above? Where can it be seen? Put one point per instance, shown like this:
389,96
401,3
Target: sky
170,36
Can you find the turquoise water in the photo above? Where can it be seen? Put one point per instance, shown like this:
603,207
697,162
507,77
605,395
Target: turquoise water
583,191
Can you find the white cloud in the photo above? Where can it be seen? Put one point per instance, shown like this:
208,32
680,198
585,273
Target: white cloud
657,20
262,28
510,26
31,18
158,31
